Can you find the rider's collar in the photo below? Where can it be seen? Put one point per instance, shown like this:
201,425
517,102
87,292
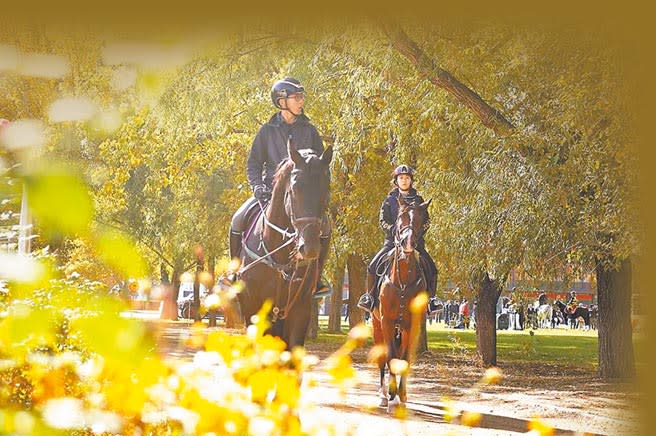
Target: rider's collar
278,120
410,193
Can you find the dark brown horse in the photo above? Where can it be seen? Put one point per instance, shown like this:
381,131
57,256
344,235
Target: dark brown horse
281,249
571,314
393,321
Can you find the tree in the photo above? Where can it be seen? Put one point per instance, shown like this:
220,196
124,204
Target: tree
574,112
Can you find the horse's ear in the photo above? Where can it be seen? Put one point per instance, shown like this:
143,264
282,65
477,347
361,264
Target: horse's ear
327,155
425,204
294,155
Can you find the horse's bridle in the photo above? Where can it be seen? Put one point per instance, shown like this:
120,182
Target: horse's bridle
300,224
399,235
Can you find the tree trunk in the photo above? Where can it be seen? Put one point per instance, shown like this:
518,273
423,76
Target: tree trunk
426,67
356,271
164,275
422,343
488,293
170,296
196,303
616,358
335,315
211,265
313,327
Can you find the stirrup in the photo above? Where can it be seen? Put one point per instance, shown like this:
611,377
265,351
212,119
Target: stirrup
322,290
228,279
366,302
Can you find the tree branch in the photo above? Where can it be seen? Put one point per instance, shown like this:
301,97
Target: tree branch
489,116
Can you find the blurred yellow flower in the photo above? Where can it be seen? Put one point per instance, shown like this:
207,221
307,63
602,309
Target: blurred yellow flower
376,353
399,366
359,333
471,419
418,304
340,368
492,376
538,427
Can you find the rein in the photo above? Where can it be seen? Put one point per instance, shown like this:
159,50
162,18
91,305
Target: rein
266,258
401,286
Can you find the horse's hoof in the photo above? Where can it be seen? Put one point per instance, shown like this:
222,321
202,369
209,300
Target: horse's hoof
383,402
393,404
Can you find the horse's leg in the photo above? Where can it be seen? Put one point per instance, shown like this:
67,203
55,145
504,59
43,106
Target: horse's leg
393,387
403,394
295,325
382,392
403,353
388,335
382,359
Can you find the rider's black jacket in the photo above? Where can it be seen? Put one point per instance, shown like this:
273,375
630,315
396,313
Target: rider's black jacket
270,146
389,211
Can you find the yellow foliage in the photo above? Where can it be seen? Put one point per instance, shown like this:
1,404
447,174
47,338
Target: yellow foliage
340,368
492,376
540,428
471,419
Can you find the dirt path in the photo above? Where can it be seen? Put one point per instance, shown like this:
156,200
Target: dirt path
567,398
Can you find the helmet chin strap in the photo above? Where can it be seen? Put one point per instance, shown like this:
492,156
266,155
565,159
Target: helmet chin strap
286,109
295,115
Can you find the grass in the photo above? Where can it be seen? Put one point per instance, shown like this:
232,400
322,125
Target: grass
558,347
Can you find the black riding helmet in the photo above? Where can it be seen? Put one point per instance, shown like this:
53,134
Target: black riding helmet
403,169
284,88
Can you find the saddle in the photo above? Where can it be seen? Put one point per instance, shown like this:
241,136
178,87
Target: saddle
383,269
250,218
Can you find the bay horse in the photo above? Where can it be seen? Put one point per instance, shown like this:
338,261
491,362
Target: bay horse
403,280
281,248
571,317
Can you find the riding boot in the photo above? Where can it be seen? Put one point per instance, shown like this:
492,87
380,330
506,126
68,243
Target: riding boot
368,300
235,244
323,289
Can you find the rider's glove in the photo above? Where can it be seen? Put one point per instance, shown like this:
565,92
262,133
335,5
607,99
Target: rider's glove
262,193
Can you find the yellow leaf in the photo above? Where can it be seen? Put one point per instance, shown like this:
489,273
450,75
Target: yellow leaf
60,202
118,251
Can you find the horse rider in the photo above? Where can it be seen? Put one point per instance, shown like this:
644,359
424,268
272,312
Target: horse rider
572,302
402,178
542,299
269,149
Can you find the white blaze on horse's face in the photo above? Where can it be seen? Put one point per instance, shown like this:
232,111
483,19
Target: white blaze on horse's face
308,199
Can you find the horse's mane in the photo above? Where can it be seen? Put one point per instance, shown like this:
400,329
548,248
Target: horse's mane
281,177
